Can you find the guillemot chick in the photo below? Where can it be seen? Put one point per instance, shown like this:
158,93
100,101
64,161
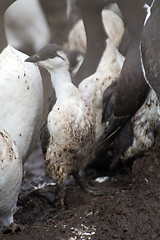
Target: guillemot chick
107,64
69,136
10,180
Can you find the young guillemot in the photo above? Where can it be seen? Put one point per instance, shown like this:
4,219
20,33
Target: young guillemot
124,99
69,136
10,181
21,95
109,63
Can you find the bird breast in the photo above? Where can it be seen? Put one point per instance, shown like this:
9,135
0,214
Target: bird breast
21,95
10,177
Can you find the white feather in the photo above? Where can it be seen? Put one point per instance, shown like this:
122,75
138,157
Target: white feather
21,99
26,25
10,178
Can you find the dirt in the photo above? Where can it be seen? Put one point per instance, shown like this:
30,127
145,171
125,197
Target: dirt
130,209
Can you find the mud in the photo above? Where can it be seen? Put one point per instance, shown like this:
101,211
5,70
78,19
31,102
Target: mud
130,209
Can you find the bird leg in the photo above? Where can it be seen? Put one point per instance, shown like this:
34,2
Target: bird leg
46,193
88,188
13,228
61,194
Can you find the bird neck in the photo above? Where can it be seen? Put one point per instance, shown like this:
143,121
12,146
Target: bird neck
4,5
134,15
96,43
61,81
94,28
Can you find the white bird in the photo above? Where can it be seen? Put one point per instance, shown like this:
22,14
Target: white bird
109,63
71,122
10,180
93,87
26,25
21,97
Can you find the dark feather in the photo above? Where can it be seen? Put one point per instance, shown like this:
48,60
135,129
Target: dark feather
150,48
108,100
44,137
123,99
116,144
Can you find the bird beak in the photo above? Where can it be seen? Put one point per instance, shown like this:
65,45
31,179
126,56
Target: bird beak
34,59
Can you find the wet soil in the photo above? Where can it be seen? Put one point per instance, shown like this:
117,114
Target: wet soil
130,209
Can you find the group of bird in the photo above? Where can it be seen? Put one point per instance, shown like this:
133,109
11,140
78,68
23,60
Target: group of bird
107,105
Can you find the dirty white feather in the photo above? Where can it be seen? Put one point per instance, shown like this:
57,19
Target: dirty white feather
71,122
93,87
146,122
10,178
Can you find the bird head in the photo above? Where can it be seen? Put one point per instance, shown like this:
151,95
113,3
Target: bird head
50,57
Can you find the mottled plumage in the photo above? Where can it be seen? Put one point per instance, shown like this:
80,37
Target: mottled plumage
10,178
145,125
71,127
71,121
93,87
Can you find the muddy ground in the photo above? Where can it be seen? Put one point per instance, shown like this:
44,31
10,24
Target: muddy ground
130,209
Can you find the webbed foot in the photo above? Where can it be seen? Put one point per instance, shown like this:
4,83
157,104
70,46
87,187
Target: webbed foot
13,228
91,187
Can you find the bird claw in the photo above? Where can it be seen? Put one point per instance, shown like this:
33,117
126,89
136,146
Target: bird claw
13,228
95,190
61,195
88,188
